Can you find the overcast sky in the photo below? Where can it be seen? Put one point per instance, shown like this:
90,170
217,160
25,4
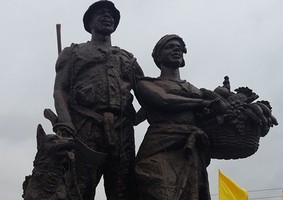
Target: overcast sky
239,38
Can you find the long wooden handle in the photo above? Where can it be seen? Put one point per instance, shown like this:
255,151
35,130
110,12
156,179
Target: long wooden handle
51,116
58,31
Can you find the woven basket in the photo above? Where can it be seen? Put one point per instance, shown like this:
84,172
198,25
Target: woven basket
237,136
226,142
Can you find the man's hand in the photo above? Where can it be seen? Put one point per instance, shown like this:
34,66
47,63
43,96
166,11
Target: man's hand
63,130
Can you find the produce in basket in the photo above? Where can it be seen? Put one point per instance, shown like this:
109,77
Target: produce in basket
236,134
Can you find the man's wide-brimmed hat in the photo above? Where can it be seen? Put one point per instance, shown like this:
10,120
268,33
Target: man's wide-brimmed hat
97,5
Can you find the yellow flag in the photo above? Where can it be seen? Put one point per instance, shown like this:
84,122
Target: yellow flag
229,190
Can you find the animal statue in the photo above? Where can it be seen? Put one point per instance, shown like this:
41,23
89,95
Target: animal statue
54,174
52,177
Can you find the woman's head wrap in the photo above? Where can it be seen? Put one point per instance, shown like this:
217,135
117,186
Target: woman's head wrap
159,45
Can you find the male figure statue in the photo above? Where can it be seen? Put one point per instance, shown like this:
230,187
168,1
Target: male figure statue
93,102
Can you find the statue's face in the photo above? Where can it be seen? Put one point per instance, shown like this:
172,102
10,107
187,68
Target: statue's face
171,54
102,21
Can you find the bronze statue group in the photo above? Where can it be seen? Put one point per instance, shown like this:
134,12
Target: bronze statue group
93,102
